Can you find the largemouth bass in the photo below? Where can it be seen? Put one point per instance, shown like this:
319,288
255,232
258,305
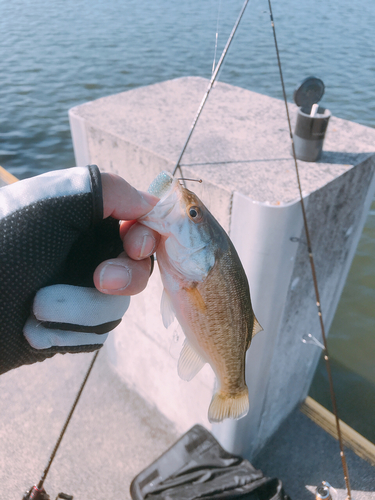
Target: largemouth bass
206,288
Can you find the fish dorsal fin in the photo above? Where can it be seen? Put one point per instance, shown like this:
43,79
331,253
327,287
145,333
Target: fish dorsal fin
256,327
190,362
196,298
166,309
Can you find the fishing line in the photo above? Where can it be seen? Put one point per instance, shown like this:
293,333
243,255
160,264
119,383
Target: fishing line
313,270
192,180
210,85
212,81
53,454
216,37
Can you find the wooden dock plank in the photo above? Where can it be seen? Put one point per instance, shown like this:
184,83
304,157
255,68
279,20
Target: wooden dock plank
6,177
351,438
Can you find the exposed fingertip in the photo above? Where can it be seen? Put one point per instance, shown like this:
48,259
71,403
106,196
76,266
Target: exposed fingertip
148,246
150,199
123,201
114,277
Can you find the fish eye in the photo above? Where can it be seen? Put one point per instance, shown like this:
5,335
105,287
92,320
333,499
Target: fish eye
194,213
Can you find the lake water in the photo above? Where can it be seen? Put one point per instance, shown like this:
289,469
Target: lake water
56,55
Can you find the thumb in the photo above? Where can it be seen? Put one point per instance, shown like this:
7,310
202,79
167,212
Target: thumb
122,201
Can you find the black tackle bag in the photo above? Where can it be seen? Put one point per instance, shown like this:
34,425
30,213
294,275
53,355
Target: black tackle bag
197,467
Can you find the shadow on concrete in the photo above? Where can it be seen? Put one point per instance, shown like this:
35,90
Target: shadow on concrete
302,455
233,162
339,158
333,157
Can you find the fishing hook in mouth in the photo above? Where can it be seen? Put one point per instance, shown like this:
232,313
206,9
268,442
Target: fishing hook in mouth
193,180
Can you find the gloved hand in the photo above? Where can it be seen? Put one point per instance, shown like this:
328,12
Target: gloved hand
54,245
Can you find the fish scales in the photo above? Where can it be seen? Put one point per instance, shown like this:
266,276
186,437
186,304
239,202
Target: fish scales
206,288
224,321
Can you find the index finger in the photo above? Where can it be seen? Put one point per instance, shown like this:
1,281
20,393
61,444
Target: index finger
122,201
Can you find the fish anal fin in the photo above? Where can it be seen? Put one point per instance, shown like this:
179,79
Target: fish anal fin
166,309
190,362
225,405
196,298
256,327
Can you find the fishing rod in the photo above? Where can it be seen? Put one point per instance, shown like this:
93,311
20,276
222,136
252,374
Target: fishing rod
210,85
37,492
313,270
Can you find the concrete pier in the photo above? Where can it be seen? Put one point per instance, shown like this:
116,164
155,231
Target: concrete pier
241,150
114,434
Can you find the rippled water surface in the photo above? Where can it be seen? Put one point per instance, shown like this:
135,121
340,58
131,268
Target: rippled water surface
55,55
351,342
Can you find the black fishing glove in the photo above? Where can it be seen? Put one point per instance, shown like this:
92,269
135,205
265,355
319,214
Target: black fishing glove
53,236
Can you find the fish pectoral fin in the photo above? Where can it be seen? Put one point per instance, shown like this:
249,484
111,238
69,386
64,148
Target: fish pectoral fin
256,327
166,309
190,362
196,298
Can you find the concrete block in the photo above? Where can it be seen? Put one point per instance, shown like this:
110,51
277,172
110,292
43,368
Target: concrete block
241,150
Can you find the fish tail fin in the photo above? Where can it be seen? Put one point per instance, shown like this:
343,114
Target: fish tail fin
225,405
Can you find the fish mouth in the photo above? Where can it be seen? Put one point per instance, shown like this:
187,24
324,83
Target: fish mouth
162,187
164,206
